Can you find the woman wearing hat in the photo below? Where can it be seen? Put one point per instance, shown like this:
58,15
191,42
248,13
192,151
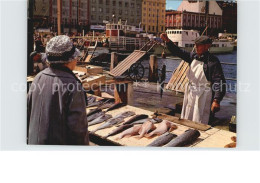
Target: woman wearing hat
56,99
207,84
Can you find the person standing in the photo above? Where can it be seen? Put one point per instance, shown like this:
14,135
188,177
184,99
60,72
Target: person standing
56,101
207,85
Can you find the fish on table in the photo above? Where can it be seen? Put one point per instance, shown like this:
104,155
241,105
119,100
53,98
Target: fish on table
119,129
101,102
162,139
94,116
153,120
93,111
100,119
130,132
145,128
115,120
162,127
115,106
136,118
188,137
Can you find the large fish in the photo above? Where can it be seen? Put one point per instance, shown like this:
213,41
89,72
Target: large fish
91,99
146,127
100,119
115,106
142,121
162,128
101,102
94,111
186,138
115,120
130,132
162,140
119,130
136,118
94,116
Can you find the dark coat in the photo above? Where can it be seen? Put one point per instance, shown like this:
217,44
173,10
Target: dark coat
212,68
56,109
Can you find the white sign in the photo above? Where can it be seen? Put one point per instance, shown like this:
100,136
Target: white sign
98,27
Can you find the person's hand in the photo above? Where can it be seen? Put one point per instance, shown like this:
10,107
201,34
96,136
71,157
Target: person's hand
164,37
215,107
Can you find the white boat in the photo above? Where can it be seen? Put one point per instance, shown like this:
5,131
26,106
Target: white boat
185,39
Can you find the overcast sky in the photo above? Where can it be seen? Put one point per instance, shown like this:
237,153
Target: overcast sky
173,4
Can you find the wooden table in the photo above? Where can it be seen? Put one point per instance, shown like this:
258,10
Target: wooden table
211,138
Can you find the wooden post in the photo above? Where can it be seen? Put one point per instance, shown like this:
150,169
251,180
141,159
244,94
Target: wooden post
59,16
114,60
123,93
153,69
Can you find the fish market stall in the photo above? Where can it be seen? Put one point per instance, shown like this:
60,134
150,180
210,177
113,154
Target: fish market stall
207,136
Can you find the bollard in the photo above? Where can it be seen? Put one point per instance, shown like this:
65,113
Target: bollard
123,93
114,60
153,69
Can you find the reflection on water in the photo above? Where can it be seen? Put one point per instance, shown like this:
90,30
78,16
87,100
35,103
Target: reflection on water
230,71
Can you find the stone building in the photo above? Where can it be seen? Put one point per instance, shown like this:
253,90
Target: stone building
115,10
153,15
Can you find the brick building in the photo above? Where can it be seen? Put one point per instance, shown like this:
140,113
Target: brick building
196,15
74,14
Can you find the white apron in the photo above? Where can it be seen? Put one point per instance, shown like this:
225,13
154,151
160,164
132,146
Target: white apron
197,96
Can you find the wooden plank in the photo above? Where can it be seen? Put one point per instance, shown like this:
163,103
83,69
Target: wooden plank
181,81
217,140
180,74
174,75
192,124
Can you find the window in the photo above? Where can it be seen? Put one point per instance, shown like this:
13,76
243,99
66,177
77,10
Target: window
114,3
107,2
100,1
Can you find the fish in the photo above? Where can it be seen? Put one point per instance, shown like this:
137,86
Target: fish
94,111
94,116
119,130
101,102
115,120
100,119
115,106
162,139
136,118
186,138
125,114
146,127
154,120
91,99
130,132
162,128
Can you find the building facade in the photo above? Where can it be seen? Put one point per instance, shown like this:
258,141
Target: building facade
115,10
153,15
74,14
196,15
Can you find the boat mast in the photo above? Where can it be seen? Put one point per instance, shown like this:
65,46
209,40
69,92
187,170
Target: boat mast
206,15
58,17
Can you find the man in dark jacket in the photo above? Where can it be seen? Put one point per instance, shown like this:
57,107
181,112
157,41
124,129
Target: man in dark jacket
56,100
207,85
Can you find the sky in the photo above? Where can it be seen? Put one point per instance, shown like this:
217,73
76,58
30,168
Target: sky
173,4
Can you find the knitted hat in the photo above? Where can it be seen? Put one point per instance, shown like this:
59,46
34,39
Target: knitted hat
60,49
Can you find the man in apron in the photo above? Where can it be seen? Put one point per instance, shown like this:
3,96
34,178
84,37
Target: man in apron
207,84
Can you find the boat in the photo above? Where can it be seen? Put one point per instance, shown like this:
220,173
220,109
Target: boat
124,38
185,39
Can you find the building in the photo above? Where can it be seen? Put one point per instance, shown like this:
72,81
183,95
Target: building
115,10
153,15
74,14
229,16
193,15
